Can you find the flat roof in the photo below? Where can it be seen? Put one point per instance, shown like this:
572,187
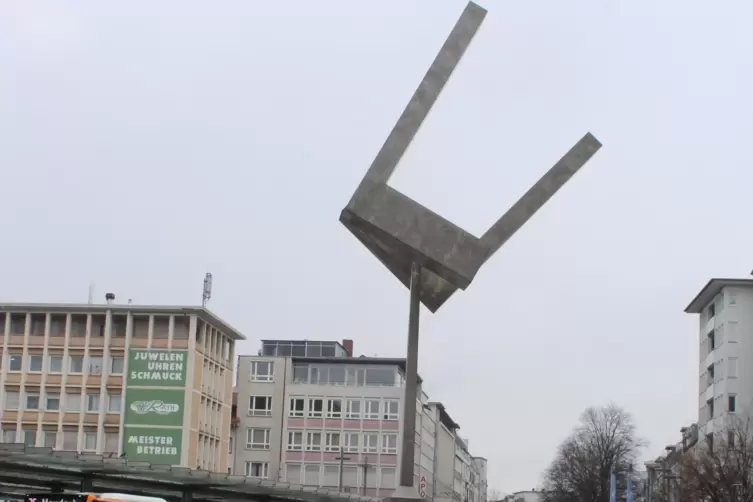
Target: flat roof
202,313
444,417
710,290
376,361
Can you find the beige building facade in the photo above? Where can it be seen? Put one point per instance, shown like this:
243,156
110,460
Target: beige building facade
148,383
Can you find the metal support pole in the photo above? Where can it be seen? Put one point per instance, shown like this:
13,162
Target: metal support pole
342,458
411,381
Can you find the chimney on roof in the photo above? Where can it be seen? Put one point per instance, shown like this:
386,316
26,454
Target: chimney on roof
348,345
109,297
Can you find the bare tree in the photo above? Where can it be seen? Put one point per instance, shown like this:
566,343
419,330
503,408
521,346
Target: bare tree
494,495
720,469
605,441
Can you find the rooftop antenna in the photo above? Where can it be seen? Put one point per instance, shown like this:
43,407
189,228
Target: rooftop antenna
91,293
207,289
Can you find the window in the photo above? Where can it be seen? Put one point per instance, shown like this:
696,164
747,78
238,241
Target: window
257,470
52,402
92,403
732,403
730,439
391,410
314,441
12,400
712,341
70,440
370,443
311,475
300,373
30,437
9,435
32,401
350,443
350,476
380,377
116,366
353,411
50,439
90,441
710,408
15,362
331,475
389,443
295,440
111,442
262,371
260,406
35,363
332,442
372,409
73,402
316,407
113,403
388,477
75,364
257,439
95,365
293,473
297,407
334,408
55,364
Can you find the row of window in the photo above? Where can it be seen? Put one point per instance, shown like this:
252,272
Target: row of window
716,372
341,374
69,439
328,475
355,408
51,401
319,407
731,405
349,442
55,364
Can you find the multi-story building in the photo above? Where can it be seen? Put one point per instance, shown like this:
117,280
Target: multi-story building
725,308
480,465
149,383
306,408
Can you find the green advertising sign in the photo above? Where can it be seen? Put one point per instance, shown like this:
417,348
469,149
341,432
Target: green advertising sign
157,368
155,407
158,446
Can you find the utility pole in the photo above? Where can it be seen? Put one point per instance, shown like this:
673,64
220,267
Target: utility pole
365,466
342,458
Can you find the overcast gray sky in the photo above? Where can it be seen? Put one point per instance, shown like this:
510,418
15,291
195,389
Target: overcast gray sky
143,144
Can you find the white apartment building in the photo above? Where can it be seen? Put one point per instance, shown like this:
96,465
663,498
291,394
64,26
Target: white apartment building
725,308
307,407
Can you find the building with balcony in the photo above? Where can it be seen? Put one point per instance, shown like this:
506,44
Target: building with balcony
725,312
305,407
148,383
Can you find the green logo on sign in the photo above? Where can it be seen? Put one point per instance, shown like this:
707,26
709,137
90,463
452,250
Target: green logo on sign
158,446
155,407
157,368
158,407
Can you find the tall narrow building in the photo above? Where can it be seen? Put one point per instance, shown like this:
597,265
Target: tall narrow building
725,340
150,383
